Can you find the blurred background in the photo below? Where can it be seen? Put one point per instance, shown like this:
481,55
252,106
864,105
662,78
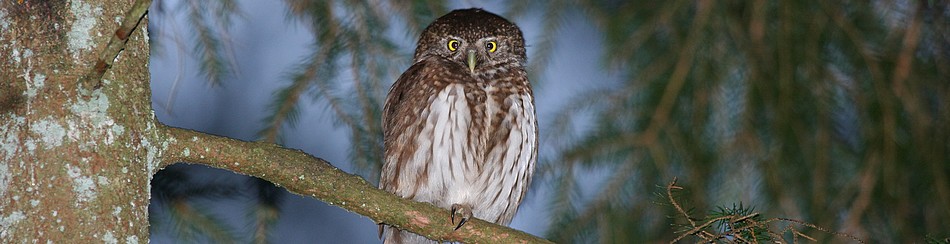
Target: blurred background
814,120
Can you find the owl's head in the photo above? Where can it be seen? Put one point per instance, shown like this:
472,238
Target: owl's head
475,38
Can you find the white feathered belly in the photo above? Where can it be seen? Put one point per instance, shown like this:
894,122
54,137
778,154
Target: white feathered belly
470,173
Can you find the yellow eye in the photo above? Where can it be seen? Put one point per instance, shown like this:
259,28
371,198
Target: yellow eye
453,45
491,46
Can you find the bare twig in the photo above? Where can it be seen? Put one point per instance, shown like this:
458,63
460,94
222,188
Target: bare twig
749,225
698,230
819,228
669,194
93,79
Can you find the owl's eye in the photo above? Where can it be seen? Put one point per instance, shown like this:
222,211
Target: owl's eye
453,45
491,46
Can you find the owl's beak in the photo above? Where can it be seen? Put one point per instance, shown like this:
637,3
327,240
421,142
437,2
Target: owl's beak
471,60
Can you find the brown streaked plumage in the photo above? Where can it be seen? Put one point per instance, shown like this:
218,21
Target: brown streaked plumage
459,125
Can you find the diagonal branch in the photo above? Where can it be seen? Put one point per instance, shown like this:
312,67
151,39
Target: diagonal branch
306,175
107,56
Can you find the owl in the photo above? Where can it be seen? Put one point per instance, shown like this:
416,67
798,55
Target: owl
459,125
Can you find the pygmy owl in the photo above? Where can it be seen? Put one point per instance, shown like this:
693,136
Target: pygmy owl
459,125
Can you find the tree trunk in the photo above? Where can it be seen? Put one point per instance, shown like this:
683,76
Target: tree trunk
76,161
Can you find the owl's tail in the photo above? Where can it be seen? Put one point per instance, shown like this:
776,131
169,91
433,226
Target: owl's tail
392,235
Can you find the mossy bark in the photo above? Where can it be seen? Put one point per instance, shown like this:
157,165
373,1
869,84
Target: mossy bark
75,163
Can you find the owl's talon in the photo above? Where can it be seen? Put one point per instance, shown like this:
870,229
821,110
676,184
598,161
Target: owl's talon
461,223
464,212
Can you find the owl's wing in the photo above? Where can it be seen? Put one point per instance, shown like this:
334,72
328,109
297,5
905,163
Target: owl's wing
403,104
399,92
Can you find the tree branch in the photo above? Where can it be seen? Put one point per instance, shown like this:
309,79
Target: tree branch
306,175
93,79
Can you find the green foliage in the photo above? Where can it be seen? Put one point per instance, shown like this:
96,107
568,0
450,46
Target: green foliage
745,226
267,210
174,209
831,112
211,20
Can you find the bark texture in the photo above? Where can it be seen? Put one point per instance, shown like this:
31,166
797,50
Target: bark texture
76,161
